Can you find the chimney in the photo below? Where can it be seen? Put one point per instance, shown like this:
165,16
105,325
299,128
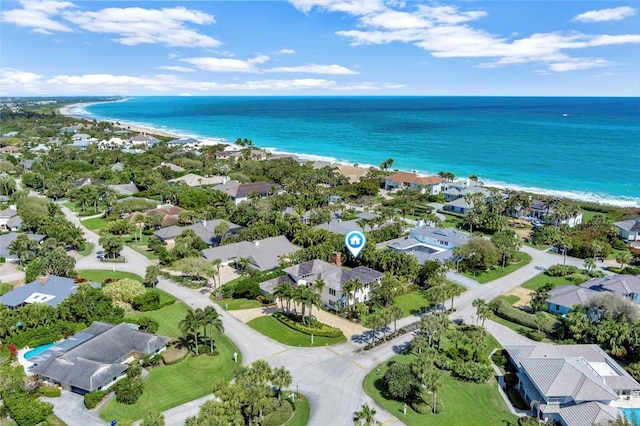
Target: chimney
44,280
336,258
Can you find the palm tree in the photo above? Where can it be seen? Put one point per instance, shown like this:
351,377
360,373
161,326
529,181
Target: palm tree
211,317
396,314
281,378
482,309
313,300
374,322
433,383
191,324
419,343
624,257
365,417
216,264
284,292
589,265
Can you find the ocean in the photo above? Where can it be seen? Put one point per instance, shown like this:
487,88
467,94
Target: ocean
583,148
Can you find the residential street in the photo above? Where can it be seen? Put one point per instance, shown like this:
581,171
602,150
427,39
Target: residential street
331,377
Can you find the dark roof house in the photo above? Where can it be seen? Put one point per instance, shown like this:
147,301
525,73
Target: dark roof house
96,357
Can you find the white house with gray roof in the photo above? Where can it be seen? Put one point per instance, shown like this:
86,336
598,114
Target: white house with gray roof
566,381
51,290
204,230
427,242
7,239
334,277
629,230
96,357
263,255
562,299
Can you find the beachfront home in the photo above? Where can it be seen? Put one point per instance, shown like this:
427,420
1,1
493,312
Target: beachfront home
184,143
461,188
629,230
205,230
96,357
240,192
574,385
334,277
51,290
563,298
142,139
427,242
544,210
262,255
424,184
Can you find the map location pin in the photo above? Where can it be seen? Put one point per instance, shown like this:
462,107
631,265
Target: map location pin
355,241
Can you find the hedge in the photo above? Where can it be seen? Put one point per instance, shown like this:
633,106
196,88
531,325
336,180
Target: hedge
26,410
45,334
49,392
325,331
91,400
504,310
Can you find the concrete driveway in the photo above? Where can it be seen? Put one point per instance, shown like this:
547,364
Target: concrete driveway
70,408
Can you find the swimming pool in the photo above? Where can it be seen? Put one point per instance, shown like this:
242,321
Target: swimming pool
38,350
633,414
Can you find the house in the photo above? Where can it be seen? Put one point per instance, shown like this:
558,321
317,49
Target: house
334,277
544,209
142,139
125,188
461,188
194,180
428,242
9,219
574,385
117,167
204,230
80,137
171,167
169,214
562,299
96,357
7,239
188,143
13,150
343,227
51,290
240,192
263,255
352,173
629,230
40,148
424,184
459,205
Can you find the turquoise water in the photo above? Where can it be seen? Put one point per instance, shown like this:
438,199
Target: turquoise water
586,148
38,350
633,414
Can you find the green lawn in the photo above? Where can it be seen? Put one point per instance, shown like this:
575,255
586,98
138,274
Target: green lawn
301,415
237,304
277,331
451,221
412,303
141,246
95,223
497,272
88,248
99,275
167,317
542,279
463,403
169,386
510,299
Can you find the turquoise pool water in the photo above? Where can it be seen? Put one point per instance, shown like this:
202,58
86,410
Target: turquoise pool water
38,350
633,414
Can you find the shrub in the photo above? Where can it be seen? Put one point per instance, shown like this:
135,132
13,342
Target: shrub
528,421
248,289
26,410
421,407
91,400
5,288
49,392
147,324
630,270
149,301
174,355
561,270
277,414
472,371
504,310
536,335
324,331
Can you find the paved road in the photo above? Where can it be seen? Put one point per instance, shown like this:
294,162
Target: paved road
330,377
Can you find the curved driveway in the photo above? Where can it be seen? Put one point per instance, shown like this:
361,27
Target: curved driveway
331,377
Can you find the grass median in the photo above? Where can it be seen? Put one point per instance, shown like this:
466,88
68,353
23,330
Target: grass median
274,329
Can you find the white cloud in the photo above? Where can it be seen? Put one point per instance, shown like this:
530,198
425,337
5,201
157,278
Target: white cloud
227,64
136,25
286,51
446,32
12,78
603,15
38,14
176,68
315,69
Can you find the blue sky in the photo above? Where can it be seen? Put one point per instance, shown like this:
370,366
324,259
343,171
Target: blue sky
320,47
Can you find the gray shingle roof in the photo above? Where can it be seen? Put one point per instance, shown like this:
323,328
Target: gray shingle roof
629,225
125,189
588,414
273,247
451,235
570,295
621,284
51,290
7,239
204,230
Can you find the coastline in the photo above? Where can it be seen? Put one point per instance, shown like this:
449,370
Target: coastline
580,196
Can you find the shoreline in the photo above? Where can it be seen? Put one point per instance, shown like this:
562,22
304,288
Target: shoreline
579,196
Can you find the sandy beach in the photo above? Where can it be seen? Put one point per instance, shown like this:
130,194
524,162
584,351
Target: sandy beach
68,111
